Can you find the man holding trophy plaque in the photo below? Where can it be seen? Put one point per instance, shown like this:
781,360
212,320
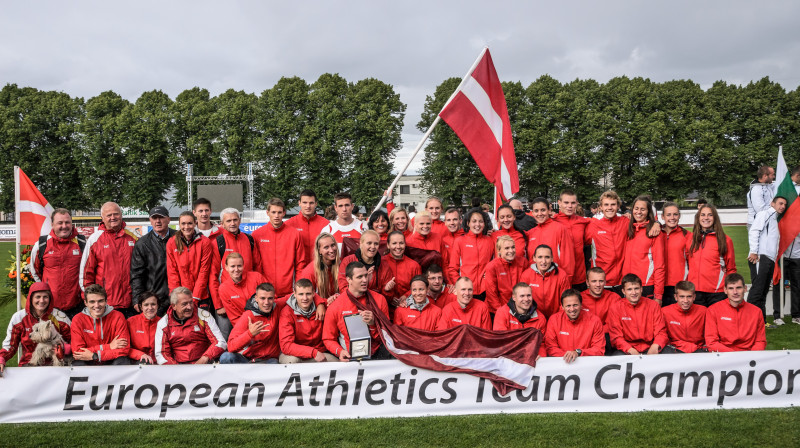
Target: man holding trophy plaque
347,332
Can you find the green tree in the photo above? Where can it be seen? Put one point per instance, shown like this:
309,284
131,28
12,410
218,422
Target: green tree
282,118
376,114
38,133
193,138
152,166
327,134
103,167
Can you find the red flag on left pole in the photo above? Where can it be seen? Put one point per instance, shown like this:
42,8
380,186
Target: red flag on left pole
478,114
34,211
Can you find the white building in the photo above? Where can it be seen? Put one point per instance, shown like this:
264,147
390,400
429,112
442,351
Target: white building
408,191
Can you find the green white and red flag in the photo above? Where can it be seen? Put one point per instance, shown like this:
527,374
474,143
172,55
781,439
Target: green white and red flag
789,221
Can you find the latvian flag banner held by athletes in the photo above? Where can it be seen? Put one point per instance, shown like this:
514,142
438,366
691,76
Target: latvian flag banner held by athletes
506,358
33,210
789,222
478,114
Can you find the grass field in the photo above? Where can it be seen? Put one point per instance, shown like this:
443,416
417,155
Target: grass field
737,428
731,428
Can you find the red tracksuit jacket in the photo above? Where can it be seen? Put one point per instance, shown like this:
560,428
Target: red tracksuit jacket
299,335
599,307
448,241
308,273
468,258
374,280
577,228
475,313
234,296
21,325
675,265
143,337
96,334
233,243
427,319
309,230
686,329
520,240
283,256
644,257
185,343
192,267
585,333
547,287
730,329
707,270
334,325
500,278
402,270
443,299
265,345
61,270
607,238
431,241
558,237
637,326
504,321
107,262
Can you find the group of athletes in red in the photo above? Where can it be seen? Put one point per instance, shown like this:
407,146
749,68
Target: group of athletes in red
206,292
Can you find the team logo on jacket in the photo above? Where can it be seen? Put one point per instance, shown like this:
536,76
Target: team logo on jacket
51,252
725,318
196,328
503,273
601,232
105,246
76,252
263,241
469,245
625,318
566,333
86,330
140,331
457,320
535,285
674,322
130,243
234,297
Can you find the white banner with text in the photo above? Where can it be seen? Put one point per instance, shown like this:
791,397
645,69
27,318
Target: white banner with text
392,389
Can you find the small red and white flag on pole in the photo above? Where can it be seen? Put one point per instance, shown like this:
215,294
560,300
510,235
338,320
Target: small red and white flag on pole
478,114
33,210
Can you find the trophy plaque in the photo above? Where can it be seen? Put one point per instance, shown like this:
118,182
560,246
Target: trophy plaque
360,340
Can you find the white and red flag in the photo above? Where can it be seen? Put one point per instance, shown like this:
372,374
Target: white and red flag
478,114
506,358
33,210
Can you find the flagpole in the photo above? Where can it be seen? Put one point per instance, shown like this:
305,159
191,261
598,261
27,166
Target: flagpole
16,224
780,256
429,131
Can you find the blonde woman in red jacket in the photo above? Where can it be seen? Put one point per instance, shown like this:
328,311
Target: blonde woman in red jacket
710,256
189,256
142,328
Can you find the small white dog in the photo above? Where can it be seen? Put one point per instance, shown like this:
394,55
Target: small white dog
48,339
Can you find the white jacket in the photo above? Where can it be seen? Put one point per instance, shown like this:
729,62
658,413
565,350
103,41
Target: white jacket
758,198
763,236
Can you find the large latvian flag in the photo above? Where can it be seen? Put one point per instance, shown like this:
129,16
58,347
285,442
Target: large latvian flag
478,114
506,358
789,222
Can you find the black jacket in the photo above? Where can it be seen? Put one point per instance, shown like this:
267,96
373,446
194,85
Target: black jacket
149,266
522,221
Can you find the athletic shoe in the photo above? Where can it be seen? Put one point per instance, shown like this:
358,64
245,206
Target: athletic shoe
770,326
778,321
796,320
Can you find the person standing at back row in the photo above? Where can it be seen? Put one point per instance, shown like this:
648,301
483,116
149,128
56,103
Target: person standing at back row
762,190
345,225
308,222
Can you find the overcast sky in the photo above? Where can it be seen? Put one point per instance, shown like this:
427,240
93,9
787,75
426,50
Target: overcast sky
175,45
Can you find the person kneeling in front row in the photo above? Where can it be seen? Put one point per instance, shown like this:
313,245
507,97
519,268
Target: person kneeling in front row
635,324
574,331
300,331
187,334
99,333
